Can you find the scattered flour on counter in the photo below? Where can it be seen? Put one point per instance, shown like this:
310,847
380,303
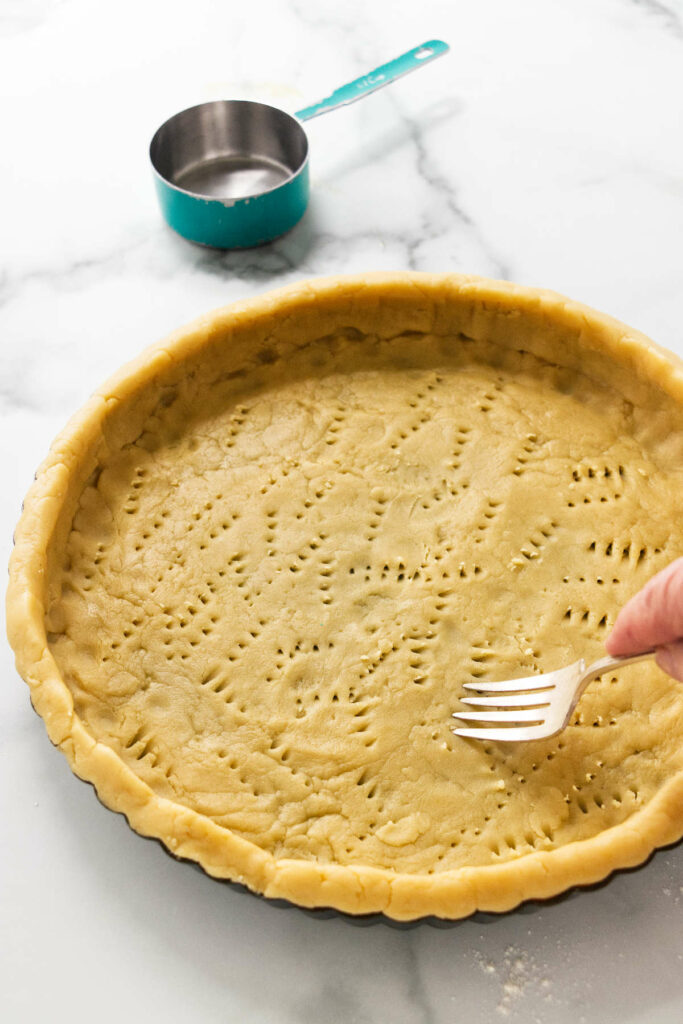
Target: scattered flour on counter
518,975
675,896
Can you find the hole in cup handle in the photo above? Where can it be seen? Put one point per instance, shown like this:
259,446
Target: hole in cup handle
422,53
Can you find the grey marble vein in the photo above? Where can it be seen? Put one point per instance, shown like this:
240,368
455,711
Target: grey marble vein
444,191
669,15
71,273
417,985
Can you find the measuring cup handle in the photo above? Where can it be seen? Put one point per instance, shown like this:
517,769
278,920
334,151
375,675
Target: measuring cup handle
381,76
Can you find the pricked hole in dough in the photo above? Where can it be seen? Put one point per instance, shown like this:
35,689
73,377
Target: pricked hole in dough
134,739
143,752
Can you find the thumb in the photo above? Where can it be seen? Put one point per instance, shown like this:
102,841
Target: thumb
654,617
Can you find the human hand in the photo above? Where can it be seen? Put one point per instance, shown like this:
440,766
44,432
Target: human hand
654,618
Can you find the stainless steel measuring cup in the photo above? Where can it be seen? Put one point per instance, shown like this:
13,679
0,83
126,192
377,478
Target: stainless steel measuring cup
233,173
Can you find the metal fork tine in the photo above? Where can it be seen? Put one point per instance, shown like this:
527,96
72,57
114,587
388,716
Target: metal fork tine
514,700
536,707
528,732
513,685
513,716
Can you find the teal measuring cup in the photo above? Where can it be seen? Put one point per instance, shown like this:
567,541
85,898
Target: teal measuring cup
233,173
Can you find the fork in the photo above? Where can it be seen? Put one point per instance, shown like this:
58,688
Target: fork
535,707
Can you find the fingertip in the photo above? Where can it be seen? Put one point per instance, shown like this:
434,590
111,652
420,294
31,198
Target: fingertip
612,646
617,642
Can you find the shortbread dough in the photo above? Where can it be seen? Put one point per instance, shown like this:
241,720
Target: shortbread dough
283,542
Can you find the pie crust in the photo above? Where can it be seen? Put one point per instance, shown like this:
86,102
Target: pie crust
255,569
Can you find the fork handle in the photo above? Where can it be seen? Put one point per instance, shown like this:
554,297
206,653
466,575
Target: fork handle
605,664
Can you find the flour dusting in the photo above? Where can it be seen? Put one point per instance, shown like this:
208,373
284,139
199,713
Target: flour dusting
518,974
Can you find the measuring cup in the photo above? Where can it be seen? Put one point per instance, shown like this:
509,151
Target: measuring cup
233,173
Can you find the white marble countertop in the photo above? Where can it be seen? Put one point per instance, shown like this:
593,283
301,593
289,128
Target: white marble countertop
547,149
